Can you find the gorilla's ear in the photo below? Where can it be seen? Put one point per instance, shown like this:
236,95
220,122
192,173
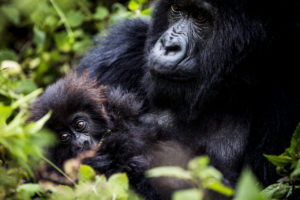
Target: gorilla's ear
123,105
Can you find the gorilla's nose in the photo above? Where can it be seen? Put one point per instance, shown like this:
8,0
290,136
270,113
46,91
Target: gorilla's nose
168,51
170,47
81,146
86,145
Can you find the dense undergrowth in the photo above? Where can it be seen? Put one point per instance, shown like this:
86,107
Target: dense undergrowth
40,41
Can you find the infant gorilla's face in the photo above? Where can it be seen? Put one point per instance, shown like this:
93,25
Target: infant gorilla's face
78,117
76,133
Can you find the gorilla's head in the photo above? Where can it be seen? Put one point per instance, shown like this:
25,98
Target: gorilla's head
83,112
78,117
194,45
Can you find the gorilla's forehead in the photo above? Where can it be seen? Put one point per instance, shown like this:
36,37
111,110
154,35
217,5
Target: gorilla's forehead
206,4
186,3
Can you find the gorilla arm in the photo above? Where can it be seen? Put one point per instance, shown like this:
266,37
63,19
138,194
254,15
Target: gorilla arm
120,58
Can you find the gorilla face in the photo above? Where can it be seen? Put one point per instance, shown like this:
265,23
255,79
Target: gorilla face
75,133
173,55
78,117
194,45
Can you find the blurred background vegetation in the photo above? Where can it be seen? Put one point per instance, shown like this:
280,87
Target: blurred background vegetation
47,37
40,41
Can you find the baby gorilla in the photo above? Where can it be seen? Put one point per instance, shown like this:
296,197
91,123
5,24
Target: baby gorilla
78,118
83,114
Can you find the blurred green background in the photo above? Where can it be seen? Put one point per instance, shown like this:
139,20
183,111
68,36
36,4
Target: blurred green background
40,41
47,37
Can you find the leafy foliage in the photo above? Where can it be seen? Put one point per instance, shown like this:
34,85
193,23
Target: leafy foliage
248,188
199,173
40,41
92,187
21,144
288,166
46,37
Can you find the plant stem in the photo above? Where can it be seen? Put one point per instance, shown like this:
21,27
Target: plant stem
58,169
63,18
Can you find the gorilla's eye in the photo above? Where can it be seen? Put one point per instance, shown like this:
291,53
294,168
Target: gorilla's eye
80,125
175,8
201,18
65,137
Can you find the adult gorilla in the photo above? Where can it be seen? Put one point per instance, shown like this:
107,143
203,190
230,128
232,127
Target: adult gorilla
225,68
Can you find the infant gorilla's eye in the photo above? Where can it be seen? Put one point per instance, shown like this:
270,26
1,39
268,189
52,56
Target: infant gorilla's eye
65,137
80,125
175,8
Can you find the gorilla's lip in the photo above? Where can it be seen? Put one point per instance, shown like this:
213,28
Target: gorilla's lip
170,76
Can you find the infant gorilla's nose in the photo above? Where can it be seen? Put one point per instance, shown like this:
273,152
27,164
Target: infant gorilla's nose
86,145
81,145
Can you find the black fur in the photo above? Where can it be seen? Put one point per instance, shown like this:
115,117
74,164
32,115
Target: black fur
114,119
137,142
124,57
69,99
241,99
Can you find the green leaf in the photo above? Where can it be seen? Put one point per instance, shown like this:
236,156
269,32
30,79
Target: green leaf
25,86
12,14
133,5
175,172
295,143
10,67
62,192
248,188
8,55
101,13
190,194
296,171
63,42
54,55
82,45
25,99
39,37
277,191
28,190
279,161
208,173
38,125
5,111
219,187
198,163
147,12
51,22
86,173
142,1
74,18
133,196
118,184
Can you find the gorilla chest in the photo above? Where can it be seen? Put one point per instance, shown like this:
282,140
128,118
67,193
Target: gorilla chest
223,139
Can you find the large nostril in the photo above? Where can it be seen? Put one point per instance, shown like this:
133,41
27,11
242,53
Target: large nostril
86,145
170,46
173,48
